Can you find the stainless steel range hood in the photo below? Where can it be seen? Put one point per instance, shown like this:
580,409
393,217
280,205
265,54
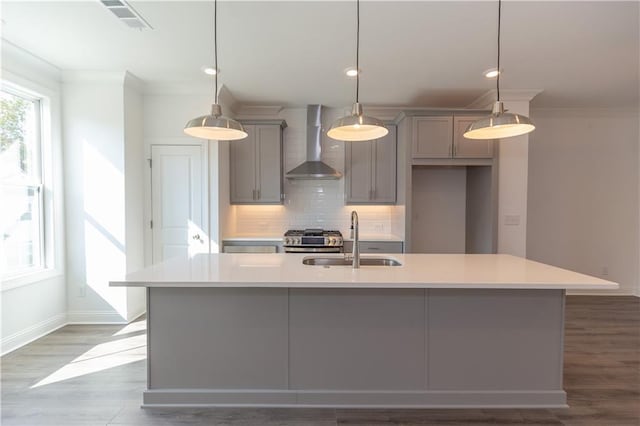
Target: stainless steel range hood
314,168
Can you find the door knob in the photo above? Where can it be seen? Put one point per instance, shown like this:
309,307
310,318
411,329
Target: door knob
196,237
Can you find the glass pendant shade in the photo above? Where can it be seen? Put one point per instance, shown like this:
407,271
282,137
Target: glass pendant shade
215,126
357,127
499,125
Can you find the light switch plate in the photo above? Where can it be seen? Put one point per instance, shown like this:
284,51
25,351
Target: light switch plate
512,220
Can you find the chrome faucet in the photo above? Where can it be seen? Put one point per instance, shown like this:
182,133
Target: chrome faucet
355,236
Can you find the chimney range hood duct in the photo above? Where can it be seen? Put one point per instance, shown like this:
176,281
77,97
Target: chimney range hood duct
314,168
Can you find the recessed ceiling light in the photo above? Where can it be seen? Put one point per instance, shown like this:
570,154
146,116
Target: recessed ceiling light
209,70
491,73
352,72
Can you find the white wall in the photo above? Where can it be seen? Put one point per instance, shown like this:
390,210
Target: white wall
134,167
96,204
30,309
583,197
512,188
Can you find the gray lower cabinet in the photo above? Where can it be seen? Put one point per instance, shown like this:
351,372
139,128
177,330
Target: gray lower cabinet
370,170
443,137
375,246
354,347
252,246
256,165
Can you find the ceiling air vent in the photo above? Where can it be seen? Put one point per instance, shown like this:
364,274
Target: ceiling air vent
126,13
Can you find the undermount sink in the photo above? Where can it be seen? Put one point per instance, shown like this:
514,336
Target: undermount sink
341,261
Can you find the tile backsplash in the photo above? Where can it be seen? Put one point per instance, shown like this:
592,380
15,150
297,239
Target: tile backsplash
313,203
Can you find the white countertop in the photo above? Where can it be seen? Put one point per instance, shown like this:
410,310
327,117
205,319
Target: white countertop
285,270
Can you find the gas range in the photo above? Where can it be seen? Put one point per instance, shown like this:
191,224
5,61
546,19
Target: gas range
313,241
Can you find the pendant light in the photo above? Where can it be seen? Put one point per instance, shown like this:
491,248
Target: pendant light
215,125
357,126
499,124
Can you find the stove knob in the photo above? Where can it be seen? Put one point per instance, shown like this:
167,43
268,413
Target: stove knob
332,242
287,241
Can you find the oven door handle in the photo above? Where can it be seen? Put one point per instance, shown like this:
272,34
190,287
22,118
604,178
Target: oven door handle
313,249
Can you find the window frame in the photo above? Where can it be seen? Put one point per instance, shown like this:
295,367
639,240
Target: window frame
50,182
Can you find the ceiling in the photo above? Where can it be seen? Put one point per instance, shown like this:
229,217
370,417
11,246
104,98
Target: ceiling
432,54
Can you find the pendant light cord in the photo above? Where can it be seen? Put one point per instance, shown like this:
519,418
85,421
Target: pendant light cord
357,50
215,45
498,78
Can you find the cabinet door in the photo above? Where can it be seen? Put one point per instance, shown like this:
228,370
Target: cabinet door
358,164
269,164
384,168
469,148
375,247
432,137
242,158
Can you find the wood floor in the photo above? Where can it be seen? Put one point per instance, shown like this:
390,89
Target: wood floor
94,375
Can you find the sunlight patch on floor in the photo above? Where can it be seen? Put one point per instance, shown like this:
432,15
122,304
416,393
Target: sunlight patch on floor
101,357
134,327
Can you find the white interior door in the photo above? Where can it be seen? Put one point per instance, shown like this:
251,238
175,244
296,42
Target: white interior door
178,201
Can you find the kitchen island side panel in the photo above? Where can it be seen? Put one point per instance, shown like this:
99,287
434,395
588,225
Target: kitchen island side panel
203,338
355,347
495,340
367,339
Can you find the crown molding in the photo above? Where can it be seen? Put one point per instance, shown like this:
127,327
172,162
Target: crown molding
133,82
228,101
151,87
517,95
248,112
93,76
14,55
586,112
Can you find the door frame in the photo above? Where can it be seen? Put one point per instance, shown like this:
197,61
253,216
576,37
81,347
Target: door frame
148,190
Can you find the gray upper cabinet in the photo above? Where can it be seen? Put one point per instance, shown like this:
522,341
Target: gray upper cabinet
442,137
256,165
469,148
370,170
432,137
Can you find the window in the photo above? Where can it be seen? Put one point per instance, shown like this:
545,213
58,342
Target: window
21,183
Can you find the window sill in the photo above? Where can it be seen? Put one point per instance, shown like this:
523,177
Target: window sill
29,278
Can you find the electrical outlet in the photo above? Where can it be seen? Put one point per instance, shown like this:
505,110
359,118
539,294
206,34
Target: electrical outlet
82,290
605,271
379,227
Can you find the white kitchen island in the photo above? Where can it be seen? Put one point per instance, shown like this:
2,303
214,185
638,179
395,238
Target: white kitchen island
437,331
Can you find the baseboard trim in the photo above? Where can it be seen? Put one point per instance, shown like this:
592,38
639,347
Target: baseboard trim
95,317
353,399
34,332
599,293
138,315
